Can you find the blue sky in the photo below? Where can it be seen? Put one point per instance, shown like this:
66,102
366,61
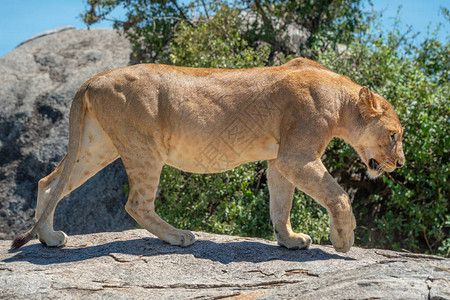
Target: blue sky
22,19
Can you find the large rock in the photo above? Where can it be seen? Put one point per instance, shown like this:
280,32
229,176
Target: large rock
136,265
38,80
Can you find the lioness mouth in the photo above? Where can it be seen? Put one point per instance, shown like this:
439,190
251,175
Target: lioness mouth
373,164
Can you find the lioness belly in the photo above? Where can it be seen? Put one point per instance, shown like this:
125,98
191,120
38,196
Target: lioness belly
219,156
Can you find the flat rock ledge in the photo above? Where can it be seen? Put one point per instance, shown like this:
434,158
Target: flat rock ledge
135,265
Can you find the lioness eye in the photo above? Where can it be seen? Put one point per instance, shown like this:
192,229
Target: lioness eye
393,137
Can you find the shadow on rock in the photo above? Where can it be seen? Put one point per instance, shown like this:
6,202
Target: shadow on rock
225,253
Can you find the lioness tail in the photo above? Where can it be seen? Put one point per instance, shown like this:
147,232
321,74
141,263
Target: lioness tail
77,112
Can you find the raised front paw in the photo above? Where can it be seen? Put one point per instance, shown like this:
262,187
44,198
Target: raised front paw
341,233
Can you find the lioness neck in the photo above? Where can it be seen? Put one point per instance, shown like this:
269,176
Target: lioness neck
349,123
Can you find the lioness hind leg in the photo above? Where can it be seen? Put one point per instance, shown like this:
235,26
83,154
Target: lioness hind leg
96,152
281,194
46,185
144,180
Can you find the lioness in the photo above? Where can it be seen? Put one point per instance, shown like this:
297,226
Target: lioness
211,120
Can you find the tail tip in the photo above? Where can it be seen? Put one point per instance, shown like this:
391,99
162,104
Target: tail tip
19,241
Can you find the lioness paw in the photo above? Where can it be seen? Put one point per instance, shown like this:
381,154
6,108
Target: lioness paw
341,233
295,241
181,238
54,239
342,244
341,239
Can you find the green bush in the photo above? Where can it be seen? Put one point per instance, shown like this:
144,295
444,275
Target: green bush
216,43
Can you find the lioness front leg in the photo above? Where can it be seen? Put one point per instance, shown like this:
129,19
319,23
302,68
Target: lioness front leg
281,193
144,180
310,176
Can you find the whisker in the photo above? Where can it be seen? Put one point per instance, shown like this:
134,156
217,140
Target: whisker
381,166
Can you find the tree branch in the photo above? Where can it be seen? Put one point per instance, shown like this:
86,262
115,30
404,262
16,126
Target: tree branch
206,10
174,2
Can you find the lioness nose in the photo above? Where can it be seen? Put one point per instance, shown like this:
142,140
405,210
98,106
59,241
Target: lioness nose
399,164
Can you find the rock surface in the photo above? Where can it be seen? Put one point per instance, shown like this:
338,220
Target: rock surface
135,265
38,81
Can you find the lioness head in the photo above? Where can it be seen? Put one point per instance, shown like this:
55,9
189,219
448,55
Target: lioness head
380,142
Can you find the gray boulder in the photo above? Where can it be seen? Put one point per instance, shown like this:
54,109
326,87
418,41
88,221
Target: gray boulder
38,80
135,265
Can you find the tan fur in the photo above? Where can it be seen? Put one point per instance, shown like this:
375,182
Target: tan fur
211,120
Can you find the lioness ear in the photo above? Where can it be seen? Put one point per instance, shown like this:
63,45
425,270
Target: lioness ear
368,105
